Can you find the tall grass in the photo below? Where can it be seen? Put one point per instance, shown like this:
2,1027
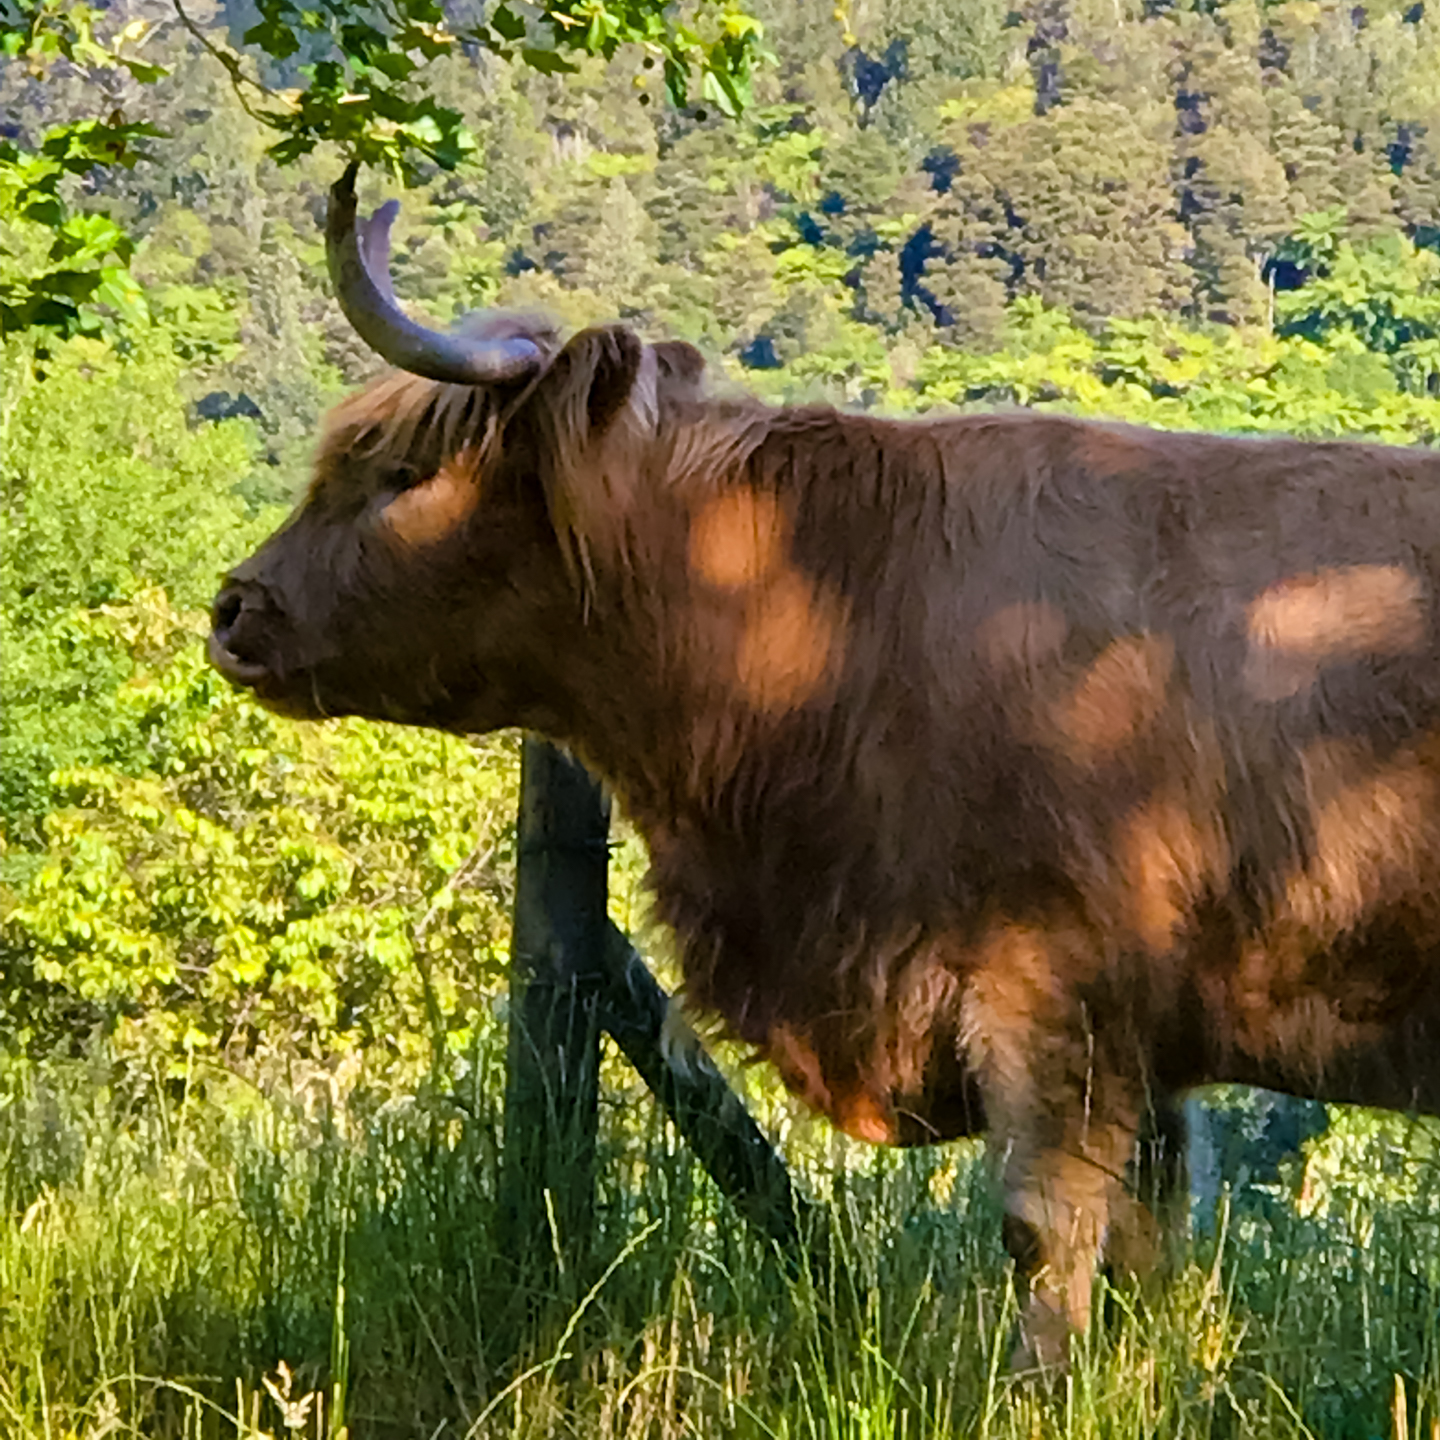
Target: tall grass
294,1254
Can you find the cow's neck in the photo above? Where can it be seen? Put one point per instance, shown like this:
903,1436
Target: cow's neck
714,685
757,850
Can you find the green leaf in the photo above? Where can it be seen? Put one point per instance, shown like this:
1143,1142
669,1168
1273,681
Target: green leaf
393,65
276,39
677,82
719,87
117,289
142,71
547,62
44,210
507,24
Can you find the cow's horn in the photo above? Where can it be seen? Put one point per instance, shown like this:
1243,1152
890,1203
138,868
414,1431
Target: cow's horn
359,256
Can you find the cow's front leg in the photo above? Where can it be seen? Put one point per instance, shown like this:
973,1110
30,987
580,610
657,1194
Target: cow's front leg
1065,1192
1064,1116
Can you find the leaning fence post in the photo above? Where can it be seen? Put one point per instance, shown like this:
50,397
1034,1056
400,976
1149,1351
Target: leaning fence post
553,1058
690,1089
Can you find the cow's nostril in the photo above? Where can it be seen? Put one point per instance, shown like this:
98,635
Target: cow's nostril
241,638
227,610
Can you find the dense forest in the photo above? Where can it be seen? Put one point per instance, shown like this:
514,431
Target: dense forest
1189,213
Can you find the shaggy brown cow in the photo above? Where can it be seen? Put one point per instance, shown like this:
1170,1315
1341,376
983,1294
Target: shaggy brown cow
1007,770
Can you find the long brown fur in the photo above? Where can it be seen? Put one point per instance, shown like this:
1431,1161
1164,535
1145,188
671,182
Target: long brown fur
1005,770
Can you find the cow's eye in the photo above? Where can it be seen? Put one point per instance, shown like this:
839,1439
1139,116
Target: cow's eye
391,483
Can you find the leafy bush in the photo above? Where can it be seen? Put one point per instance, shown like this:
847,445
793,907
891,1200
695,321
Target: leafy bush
106,491
257,881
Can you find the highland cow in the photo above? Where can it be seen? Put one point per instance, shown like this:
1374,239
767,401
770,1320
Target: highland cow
999,771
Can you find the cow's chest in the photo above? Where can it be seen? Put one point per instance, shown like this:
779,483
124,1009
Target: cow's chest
845,980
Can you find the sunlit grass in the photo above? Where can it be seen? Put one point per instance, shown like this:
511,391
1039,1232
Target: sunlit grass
288,1256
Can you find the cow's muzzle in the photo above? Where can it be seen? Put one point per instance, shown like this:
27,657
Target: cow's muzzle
243,630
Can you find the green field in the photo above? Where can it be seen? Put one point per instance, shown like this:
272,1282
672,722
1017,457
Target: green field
294,1250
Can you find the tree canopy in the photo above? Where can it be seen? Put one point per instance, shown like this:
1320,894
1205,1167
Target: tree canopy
362,85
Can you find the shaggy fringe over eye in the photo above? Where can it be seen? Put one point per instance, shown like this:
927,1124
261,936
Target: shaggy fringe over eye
593,415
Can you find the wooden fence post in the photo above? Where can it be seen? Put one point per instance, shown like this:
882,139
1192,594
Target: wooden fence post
556,976
572,972
694,1095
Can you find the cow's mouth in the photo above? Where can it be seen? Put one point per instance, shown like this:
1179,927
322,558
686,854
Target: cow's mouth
239,669
252,646
285,694
244,648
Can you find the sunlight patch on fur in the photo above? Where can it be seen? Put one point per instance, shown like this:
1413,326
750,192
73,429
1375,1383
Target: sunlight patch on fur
1309,621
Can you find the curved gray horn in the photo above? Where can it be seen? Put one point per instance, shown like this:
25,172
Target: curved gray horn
359,257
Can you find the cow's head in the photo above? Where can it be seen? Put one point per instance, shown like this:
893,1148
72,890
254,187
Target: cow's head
435,572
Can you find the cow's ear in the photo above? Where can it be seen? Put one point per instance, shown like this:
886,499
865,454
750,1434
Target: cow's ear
679,368
590,381
618,354
679,374
590,415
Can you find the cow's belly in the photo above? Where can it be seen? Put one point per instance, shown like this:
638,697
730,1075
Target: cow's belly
1399,1071
1356,1024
